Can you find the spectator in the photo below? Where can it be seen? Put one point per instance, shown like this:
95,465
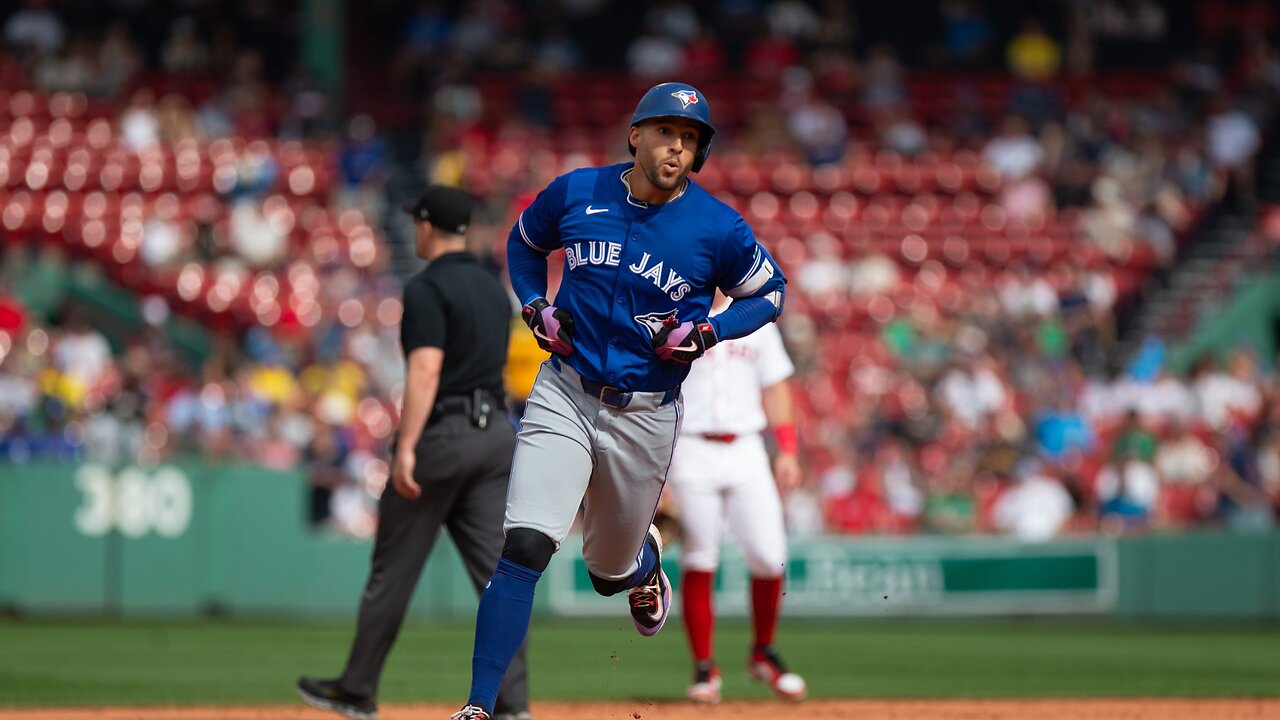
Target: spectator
139,125
873,274
118,59
1233,140
274,451
1109,224
476,32
901,133
363,162
162,240
1133,440
256,172
1035,509
793,19
559,53
325,459
884,81
1184,459
82,359
1226,398
253,238
75,69
823,272
675,19
1064,430
1015,153
427,29
967,33
817,126
175,119
1024,294
1166,401
949,502
1127,493
971,392
184,53
35,28
903,497
1032,54
654,57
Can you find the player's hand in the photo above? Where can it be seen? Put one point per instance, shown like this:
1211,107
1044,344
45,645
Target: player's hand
551,326
402,475
786,472
683,342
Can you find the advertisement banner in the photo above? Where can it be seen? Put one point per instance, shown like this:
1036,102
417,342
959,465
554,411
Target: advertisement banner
909,576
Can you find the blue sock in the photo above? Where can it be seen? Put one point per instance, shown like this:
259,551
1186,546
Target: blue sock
648,562
501,624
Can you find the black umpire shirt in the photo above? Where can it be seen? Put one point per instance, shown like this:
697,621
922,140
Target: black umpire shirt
456,305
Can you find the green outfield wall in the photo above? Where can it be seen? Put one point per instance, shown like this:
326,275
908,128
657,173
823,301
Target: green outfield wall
189,537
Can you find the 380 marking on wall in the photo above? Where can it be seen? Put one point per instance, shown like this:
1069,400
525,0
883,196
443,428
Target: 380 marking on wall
133,501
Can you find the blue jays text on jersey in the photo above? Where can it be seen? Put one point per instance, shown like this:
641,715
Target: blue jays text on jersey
630,265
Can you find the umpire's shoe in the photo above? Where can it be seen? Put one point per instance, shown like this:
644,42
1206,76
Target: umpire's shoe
327,695
651,601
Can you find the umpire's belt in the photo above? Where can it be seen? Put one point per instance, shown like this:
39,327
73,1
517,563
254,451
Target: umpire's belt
463,405
610,396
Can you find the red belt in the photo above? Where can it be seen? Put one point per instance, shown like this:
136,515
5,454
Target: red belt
719,437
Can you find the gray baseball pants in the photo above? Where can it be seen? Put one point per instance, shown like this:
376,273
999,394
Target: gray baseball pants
574,450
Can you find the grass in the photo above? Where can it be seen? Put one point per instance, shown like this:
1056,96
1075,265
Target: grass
49,663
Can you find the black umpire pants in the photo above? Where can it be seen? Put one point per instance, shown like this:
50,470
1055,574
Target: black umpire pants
463,472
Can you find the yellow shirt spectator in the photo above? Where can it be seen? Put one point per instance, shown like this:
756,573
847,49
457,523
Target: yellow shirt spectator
1034,55
273,383
524,357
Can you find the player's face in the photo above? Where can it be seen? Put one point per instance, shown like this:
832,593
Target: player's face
664,150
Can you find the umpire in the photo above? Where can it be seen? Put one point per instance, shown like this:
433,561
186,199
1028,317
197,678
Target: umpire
452,456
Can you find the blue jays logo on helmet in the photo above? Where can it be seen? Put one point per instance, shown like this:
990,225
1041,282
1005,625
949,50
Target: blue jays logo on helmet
677,100
686,97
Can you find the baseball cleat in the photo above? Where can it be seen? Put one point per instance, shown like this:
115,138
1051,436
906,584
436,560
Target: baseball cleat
651,601
471,712
705,689
327,695
765,666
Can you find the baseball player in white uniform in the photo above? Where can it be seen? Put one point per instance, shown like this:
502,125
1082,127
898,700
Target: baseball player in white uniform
720,480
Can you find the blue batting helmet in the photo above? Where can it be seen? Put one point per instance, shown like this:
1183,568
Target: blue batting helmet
677,100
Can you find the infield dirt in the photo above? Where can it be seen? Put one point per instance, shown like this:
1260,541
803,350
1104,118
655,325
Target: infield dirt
1108,709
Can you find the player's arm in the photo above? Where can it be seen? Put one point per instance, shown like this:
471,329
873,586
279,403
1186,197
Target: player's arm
422,382
751,277
534,235
747,273
779,408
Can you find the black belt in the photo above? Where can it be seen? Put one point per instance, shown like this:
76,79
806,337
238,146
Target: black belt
613,397
463,405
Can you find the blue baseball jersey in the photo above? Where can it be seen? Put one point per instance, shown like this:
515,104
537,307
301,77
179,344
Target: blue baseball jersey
629,266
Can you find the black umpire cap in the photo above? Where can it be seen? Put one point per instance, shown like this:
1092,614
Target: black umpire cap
448,208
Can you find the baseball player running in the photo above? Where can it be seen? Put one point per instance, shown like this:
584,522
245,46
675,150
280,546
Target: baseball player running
720,481
645,249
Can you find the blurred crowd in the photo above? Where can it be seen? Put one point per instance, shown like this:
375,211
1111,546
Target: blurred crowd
986,396
983,420
322,398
